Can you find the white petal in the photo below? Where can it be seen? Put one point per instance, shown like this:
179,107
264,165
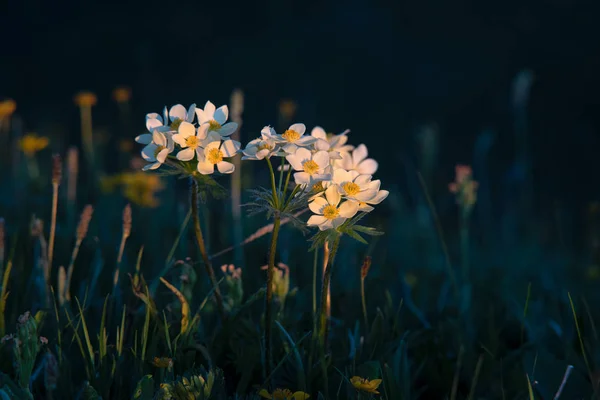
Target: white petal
305,141
367,167
379,197
151,166
206,168
153,123
186,129
341,176
319,133
209,110
348,209
364,207
333,195
301,178
365,195
221,114
300,128
374,185
202,132
303,154
228,128
225,167
162,155
212,137
179,139
186,154
326,225
148,152
213,145
177,112
294,161
362,180
315,220
337,222
144,138
154,116
346,162
159,138
359,154
317,205
321,144
321,158
202,119
191,113
262,154
230,148
268,131
290,148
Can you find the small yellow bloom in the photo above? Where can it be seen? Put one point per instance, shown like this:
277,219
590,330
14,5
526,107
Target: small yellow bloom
162,362
31,143
122,94
138,187
7,108
287,108
85,99
283,394
366,385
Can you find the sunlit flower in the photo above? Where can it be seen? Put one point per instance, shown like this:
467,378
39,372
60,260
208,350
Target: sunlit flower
213,154
283,394
191,140
216,119
329,212
137,187
352,185
85,99
167,123
31,143
311,167
7,108
162,362
334,144
358,161
157,151
294,137
262,147
121,94
365,385
378,196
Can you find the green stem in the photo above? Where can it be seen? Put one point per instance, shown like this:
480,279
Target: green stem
269,294
287,183
273,188
323,325
281,173
200,239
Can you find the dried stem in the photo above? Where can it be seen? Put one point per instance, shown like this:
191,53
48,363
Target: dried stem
202,247
124,237
326,254
82,229
56,177
269,295
325,306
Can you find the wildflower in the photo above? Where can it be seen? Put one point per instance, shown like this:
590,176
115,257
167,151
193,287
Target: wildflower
283,394
212,155
262,147
329,212
157,151
365,385
352,185
176,116
464,187
162,362
85,99
378,197
31,143
121,94
334,144
294,137
7,108
232,271
358,161
191,140
311,167
140,188
216,119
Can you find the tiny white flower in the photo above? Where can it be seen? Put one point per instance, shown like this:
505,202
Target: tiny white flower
378,197
352,185
157,151
334,144
191,140
358,161
262,147
216,119
311,167
169,122
329,212
294,138
213,154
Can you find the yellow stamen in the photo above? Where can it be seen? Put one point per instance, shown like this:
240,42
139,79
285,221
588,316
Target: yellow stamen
291,135
318,187
192,142
351,188
214,155
213,125
310,167
264,146
331,212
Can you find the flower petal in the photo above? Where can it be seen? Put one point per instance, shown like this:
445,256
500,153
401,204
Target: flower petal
228,128
301,178
205,168
225,167
319,133
321,158
379,197
201,115
359,154
348,209
316,220
321,144
294,161
333,195
144,138
191,113
221,114
341,176
300,128
337,222
153,123
177,112
317,205
230,147
186,154
162,155
151,166
305,141
362,180
367,167
209,110
326,225
365,195
186,129
303,154
159,139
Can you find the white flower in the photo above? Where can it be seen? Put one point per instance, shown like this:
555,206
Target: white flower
329,212
293,138
191,140
352,185
212,155
216,119
378,197
157,151
334,144
175,116
358,161
311,167
262,147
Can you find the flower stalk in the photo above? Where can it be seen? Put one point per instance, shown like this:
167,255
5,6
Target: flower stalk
269,294
56,177
323,317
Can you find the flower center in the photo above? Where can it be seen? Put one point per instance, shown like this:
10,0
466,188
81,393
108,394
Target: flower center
330,212
214,156
291,135
213,125
192,142
175,124
264,146
310,167
158,150
318,187
282,394
351,188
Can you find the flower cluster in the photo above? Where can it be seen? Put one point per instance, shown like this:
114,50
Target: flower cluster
205,143
339,173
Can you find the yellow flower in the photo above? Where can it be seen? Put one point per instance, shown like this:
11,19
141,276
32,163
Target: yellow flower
138,187
122,94
162,362
31,143
85,99
366,385
7,108
283,394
